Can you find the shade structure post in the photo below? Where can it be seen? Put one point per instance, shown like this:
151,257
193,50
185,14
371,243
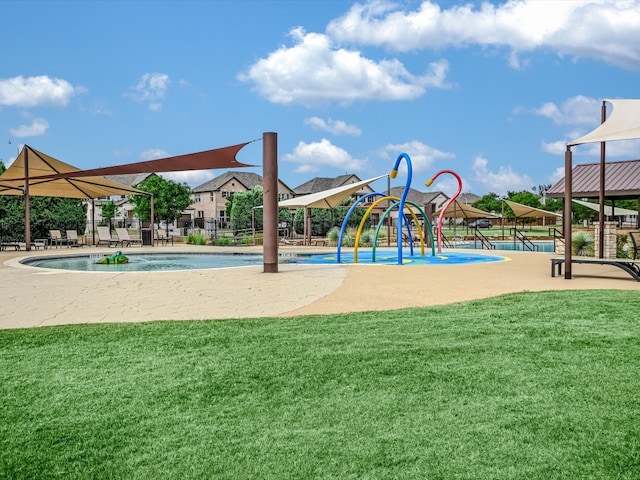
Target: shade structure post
93,221
153,223
27,203
270,201
566,218
603,118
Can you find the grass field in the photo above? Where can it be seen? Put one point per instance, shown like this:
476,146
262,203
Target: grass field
523,386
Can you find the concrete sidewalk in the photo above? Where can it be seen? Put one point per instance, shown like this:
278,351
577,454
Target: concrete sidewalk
40,297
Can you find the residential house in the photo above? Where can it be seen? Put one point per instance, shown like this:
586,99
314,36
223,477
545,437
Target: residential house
429,202
209,200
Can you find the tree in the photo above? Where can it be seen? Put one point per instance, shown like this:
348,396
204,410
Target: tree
491,202
108,211
170,199
240,208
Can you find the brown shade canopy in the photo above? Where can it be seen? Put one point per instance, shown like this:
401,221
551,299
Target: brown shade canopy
458,209
50,182
224,157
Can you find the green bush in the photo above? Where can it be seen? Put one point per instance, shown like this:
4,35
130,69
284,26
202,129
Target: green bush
582,244
197,238
223,241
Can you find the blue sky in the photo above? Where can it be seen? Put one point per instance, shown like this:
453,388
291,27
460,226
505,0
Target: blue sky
490,90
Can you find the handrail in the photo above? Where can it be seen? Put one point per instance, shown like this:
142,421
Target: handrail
556,234
526,243
445,241
484,241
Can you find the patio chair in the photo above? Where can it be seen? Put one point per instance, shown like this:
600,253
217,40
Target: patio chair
635,243
162,238
4,244
125,239
56,238
72,239
104,236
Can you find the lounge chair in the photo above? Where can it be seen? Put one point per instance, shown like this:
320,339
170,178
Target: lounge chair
104,236
4,244
295,243
56,238
635,243
162,238
125,239
72,239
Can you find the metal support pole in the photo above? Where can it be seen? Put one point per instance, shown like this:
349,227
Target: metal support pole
152,226
601,199
270,201
27,203
566,217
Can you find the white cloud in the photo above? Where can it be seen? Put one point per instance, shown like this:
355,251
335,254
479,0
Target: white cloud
151,88
499,182
36,91
315,71
423,157
193,178
38,127
605,30
578,110
556,148
153,154
337,127
313,157
557,175
585,114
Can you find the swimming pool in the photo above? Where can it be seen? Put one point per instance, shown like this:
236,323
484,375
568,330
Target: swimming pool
541,246
156,262
149,262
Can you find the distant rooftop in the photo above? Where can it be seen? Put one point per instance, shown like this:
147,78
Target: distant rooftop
622,180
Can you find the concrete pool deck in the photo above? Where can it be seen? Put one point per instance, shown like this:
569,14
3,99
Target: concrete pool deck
33,297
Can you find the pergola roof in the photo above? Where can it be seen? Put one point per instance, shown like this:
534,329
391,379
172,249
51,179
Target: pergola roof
622,180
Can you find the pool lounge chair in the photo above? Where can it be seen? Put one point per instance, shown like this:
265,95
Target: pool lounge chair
56,238
125,239
73,240
162,238
635,243
104,236
4,244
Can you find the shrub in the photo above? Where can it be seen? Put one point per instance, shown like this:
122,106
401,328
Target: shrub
582,244
197,238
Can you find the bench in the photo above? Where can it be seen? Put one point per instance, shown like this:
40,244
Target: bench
632,267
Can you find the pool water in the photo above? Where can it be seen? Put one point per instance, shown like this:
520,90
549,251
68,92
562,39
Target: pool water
541,246
150,262
195,261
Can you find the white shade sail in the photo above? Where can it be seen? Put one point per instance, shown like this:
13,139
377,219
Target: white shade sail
609,211
458,209
328,198
622,124
525,211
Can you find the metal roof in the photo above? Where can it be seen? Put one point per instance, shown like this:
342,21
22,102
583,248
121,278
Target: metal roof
622,180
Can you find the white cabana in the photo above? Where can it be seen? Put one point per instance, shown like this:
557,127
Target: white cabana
326,199
623,124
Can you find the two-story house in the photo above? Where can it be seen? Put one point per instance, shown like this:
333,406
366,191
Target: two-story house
209,200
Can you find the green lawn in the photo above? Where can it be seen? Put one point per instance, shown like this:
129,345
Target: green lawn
523,386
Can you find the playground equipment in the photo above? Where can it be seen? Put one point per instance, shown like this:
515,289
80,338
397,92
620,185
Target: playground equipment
400,203
446,205
115,259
